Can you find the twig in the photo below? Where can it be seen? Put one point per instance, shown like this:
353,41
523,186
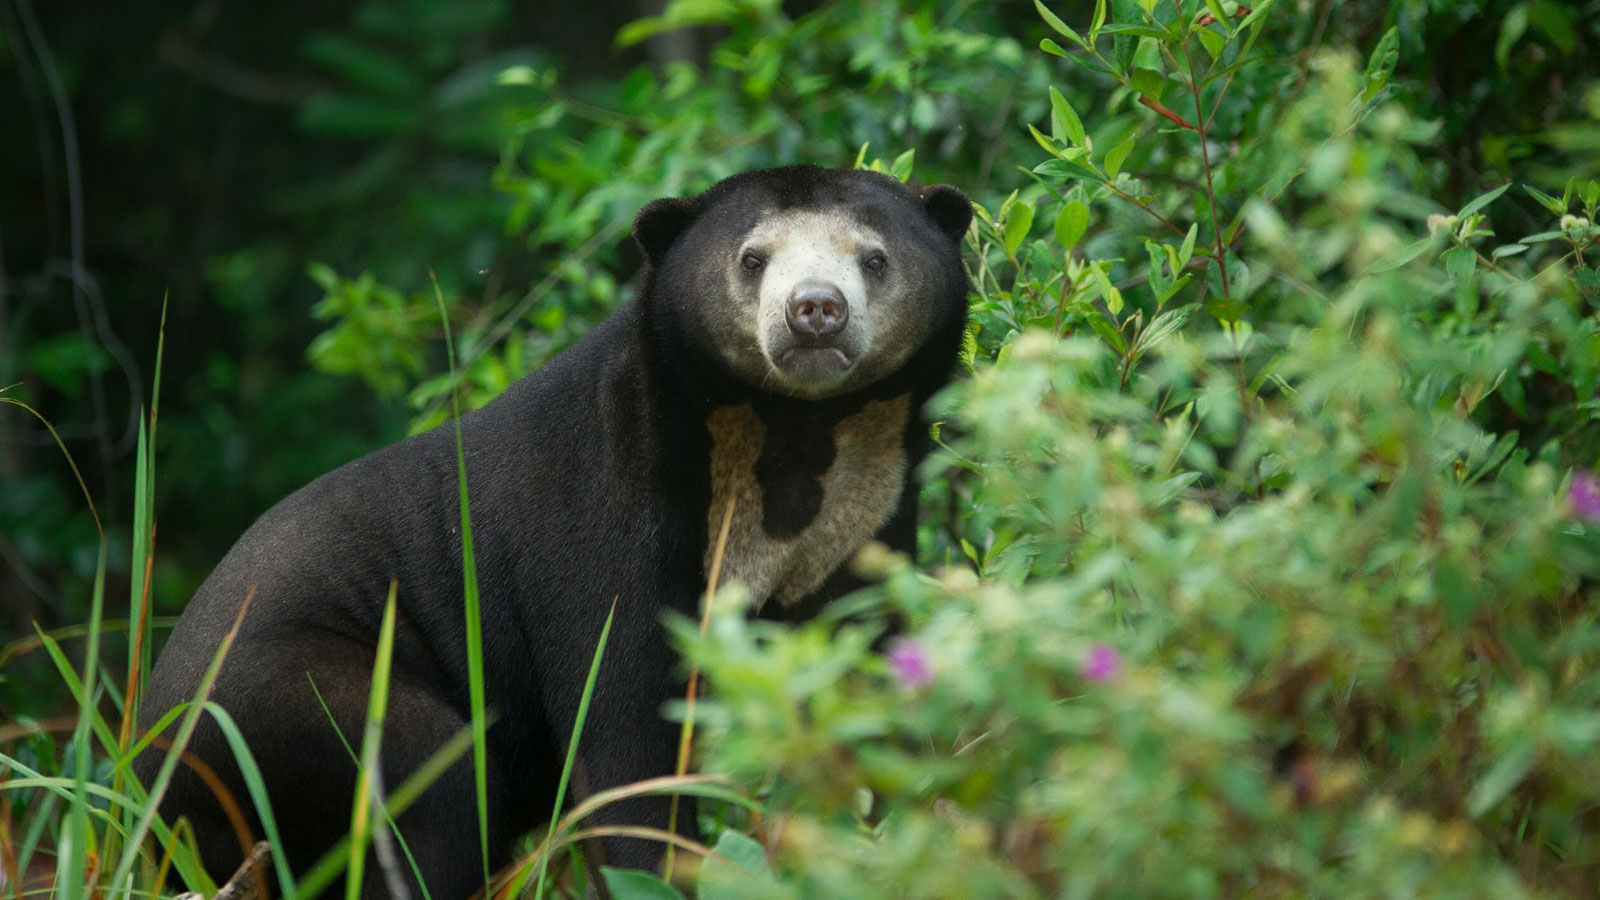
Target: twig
248,883
1153,104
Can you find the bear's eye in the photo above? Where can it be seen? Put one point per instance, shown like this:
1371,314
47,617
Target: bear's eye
751,261
875,263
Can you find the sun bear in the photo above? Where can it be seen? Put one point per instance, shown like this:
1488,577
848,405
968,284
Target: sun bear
790,327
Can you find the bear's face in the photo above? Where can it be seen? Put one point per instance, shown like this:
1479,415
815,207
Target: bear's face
809,282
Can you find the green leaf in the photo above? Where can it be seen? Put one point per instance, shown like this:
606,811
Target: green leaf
1054,49
1554,20
742,850
1067,168
1119,154
1163,326
1504,775
1256,12
1380,67
1460,262
1108,332
1138,31
1048,145
1238,274
1064,121
1148,82
1108,291
1072,221
1018,223
1217,12
632,884
1483,201
721,881
1512,28
1214,43
1186,253
1509,250
1158,257
1556,207
1226,309
1126,12
1169,490
901,167
1058,26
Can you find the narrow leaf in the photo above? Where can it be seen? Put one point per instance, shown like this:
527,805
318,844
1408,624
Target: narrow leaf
1060,27
1064,121
1483,201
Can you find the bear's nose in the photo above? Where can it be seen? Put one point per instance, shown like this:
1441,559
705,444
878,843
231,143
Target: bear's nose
817,308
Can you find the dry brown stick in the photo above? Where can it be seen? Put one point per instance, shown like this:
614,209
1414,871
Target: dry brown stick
248,883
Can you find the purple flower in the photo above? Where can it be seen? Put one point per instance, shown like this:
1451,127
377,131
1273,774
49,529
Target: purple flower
911,664
1585,494
1101,663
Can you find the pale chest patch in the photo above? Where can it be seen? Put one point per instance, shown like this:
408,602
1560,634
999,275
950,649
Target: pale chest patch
859,490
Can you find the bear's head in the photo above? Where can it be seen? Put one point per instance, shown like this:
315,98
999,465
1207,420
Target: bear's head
808,282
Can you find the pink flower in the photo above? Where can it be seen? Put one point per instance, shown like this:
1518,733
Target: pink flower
1101,663
1585,494
911,664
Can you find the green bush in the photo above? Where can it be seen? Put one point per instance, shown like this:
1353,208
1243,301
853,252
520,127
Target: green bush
1268,573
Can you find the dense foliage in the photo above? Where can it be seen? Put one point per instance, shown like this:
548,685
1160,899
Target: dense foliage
1262,553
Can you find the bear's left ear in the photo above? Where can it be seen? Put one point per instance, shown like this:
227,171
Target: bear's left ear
660,223
950,209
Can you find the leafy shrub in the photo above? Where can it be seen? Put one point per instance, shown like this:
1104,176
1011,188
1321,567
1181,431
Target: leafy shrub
1253,586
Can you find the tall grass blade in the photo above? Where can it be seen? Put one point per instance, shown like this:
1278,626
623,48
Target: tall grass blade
143,539
138,577
473,610
142,565
566,832
186,728
257,788
394,827
29,643
77,839
325,870
369,780
30,841
67,789
78,688
572,757
63,789
711,787
188,865
82,485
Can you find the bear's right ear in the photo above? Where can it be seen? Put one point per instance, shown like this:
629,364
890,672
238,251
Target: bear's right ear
660,223
949,208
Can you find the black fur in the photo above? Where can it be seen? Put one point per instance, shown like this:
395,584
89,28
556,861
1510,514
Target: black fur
588,483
